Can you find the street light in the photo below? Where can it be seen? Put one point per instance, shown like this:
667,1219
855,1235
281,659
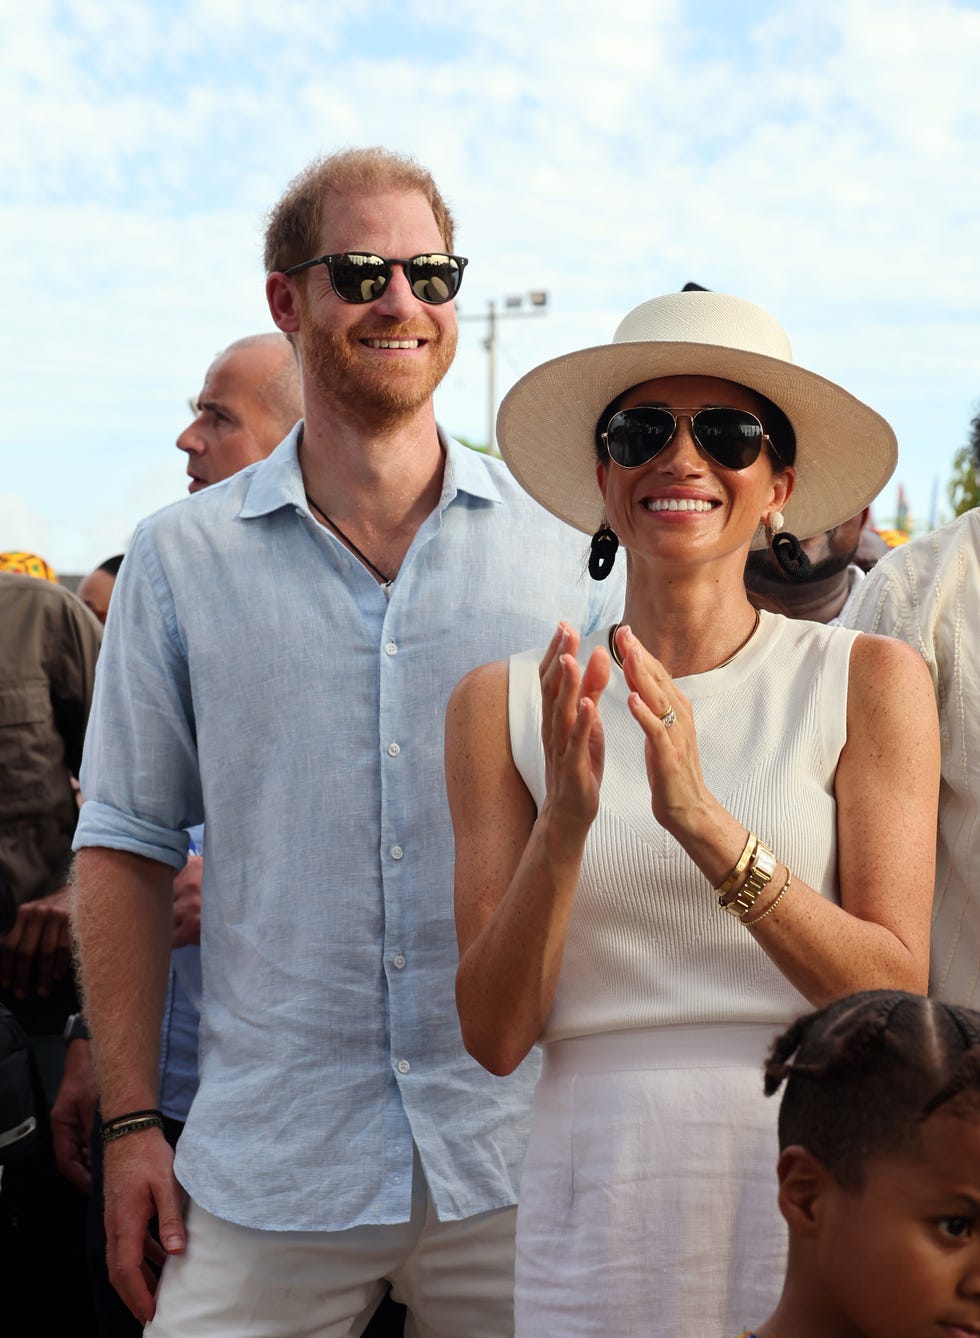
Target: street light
537,301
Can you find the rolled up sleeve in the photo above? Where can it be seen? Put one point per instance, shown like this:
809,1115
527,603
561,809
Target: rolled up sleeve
140,776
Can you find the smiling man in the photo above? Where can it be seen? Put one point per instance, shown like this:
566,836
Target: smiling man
283,650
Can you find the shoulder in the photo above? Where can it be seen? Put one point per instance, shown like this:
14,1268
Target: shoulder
888,676
478,689
28,601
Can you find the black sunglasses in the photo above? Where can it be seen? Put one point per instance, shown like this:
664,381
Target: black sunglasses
359,276
732,438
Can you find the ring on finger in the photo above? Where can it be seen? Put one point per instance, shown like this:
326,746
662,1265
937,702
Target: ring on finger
668,717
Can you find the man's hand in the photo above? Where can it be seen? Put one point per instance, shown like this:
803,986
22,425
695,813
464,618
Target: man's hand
187,903
73,1115
140,1185
37,950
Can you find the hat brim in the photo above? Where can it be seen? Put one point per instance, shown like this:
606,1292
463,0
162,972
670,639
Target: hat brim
845,451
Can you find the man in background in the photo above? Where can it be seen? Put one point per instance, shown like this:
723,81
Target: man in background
49,643
250,399
838,559
928,593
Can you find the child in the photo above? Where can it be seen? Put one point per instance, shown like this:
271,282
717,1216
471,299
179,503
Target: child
879,1170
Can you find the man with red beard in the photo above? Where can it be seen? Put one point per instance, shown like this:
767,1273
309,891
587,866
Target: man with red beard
279,665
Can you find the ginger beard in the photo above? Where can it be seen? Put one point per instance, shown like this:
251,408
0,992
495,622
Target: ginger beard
383,387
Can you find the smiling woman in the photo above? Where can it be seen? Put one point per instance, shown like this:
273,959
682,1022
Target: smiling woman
675,833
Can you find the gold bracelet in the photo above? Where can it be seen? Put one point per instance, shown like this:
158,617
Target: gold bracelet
761,870
740,866
750,924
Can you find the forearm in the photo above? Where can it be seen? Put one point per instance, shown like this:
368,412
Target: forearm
122,926
823,949
826,952
508,974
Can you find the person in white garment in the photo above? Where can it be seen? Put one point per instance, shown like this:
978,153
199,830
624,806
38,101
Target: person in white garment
928,593
677,833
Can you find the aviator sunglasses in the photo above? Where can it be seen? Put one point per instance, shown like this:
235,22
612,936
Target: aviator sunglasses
359,276
732,438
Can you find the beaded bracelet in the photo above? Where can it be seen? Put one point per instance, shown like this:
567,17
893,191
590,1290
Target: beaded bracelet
132,1123
750,924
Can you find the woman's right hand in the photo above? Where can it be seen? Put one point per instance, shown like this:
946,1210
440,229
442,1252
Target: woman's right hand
571,727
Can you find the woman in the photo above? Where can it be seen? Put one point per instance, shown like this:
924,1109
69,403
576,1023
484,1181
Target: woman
600,799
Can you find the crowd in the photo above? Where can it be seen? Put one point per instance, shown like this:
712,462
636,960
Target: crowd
466,848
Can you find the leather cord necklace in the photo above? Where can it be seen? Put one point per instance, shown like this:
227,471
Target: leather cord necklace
386,581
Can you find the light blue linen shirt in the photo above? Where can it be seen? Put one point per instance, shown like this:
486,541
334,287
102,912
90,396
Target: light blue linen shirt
254,672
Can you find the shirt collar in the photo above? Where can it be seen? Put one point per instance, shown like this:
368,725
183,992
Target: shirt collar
278,481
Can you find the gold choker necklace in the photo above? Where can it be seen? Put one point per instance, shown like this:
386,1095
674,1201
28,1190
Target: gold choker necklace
614,649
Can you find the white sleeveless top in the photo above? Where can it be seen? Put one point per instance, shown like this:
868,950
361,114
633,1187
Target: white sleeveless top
647,942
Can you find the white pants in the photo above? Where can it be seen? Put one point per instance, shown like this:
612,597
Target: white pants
648,1202
456,1278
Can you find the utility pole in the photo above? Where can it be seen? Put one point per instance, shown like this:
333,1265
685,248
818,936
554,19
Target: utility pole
513,307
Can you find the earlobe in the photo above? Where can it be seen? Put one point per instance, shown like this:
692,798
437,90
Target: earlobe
804,1183
600,476
283,302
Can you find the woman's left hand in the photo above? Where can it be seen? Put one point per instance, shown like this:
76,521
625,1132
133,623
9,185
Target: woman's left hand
679,796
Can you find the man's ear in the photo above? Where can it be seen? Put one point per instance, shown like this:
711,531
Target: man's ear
804,1183
283,298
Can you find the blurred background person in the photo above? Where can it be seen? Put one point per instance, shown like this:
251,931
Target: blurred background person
49,643
250,399
927,592
838,559
95,589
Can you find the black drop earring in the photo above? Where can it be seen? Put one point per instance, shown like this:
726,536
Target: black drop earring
786,548
603,552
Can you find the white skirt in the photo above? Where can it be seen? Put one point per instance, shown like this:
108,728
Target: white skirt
648,1200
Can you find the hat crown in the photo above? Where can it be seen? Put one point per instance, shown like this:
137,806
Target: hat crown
706,318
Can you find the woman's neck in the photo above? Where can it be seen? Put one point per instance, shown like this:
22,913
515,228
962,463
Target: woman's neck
691,621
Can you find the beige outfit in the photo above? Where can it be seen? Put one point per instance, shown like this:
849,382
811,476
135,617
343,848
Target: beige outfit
928,593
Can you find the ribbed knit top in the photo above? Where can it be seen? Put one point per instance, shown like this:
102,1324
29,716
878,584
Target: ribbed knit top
928,593
647,943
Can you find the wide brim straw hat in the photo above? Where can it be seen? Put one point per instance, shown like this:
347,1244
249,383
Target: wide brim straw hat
845,452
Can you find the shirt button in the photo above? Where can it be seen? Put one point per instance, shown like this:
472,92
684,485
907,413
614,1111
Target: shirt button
399,960
403,1066
396,852
391,648
393,749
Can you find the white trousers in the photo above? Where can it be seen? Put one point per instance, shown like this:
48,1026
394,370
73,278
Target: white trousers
456,1278
648,1202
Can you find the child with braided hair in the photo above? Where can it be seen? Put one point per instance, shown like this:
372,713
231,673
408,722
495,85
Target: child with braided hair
879,1170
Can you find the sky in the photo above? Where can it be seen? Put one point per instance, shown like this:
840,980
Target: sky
820,159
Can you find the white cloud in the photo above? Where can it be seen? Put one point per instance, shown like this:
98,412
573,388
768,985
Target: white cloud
820,160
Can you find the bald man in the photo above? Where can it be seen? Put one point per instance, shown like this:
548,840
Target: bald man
250,399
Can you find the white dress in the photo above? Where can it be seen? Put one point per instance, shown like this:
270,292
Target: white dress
648,1203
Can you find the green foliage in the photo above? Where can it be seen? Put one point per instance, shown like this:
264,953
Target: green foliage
964,489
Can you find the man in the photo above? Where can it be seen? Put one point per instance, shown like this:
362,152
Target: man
48,647
838,561
291,640
250,400
928,593
95,589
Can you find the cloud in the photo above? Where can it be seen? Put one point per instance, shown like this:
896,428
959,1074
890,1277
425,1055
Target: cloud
817,159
